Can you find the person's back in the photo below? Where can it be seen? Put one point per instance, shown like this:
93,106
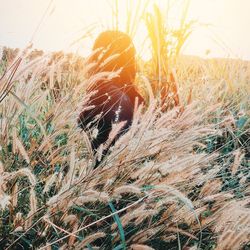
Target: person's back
114,99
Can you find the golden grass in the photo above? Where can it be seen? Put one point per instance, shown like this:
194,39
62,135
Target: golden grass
148,175
178,179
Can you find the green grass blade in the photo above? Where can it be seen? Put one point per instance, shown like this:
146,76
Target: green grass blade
120,227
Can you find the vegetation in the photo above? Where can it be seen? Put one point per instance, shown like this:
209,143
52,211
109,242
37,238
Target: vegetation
179,179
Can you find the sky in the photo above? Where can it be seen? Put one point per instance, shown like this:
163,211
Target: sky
222,25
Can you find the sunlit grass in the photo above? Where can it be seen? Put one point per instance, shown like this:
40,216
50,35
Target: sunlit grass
179,178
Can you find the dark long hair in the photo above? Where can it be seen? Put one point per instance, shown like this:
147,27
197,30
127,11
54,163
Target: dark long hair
118,49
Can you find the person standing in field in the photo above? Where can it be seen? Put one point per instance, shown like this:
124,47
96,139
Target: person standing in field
113,100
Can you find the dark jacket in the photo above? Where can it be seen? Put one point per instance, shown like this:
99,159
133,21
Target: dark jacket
112,103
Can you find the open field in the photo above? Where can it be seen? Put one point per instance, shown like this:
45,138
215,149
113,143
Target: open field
178,179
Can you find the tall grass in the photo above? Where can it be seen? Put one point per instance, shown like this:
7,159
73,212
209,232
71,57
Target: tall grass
177,180
166,43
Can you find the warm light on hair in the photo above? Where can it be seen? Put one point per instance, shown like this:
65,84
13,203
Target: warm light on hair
116,52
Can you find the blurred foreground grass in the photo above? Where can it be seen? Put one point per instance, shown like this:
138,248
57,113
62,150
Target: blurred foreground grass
179,179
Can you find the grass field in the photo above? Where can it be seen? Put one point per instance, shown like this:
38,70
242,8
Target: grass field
179,179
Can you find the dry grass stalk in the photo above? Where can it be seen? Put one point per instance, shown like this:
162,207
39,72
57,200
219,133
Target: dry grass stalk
22,150
211,187
14,196
233,225
126,189
90,239
178,230
238,156
140,247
